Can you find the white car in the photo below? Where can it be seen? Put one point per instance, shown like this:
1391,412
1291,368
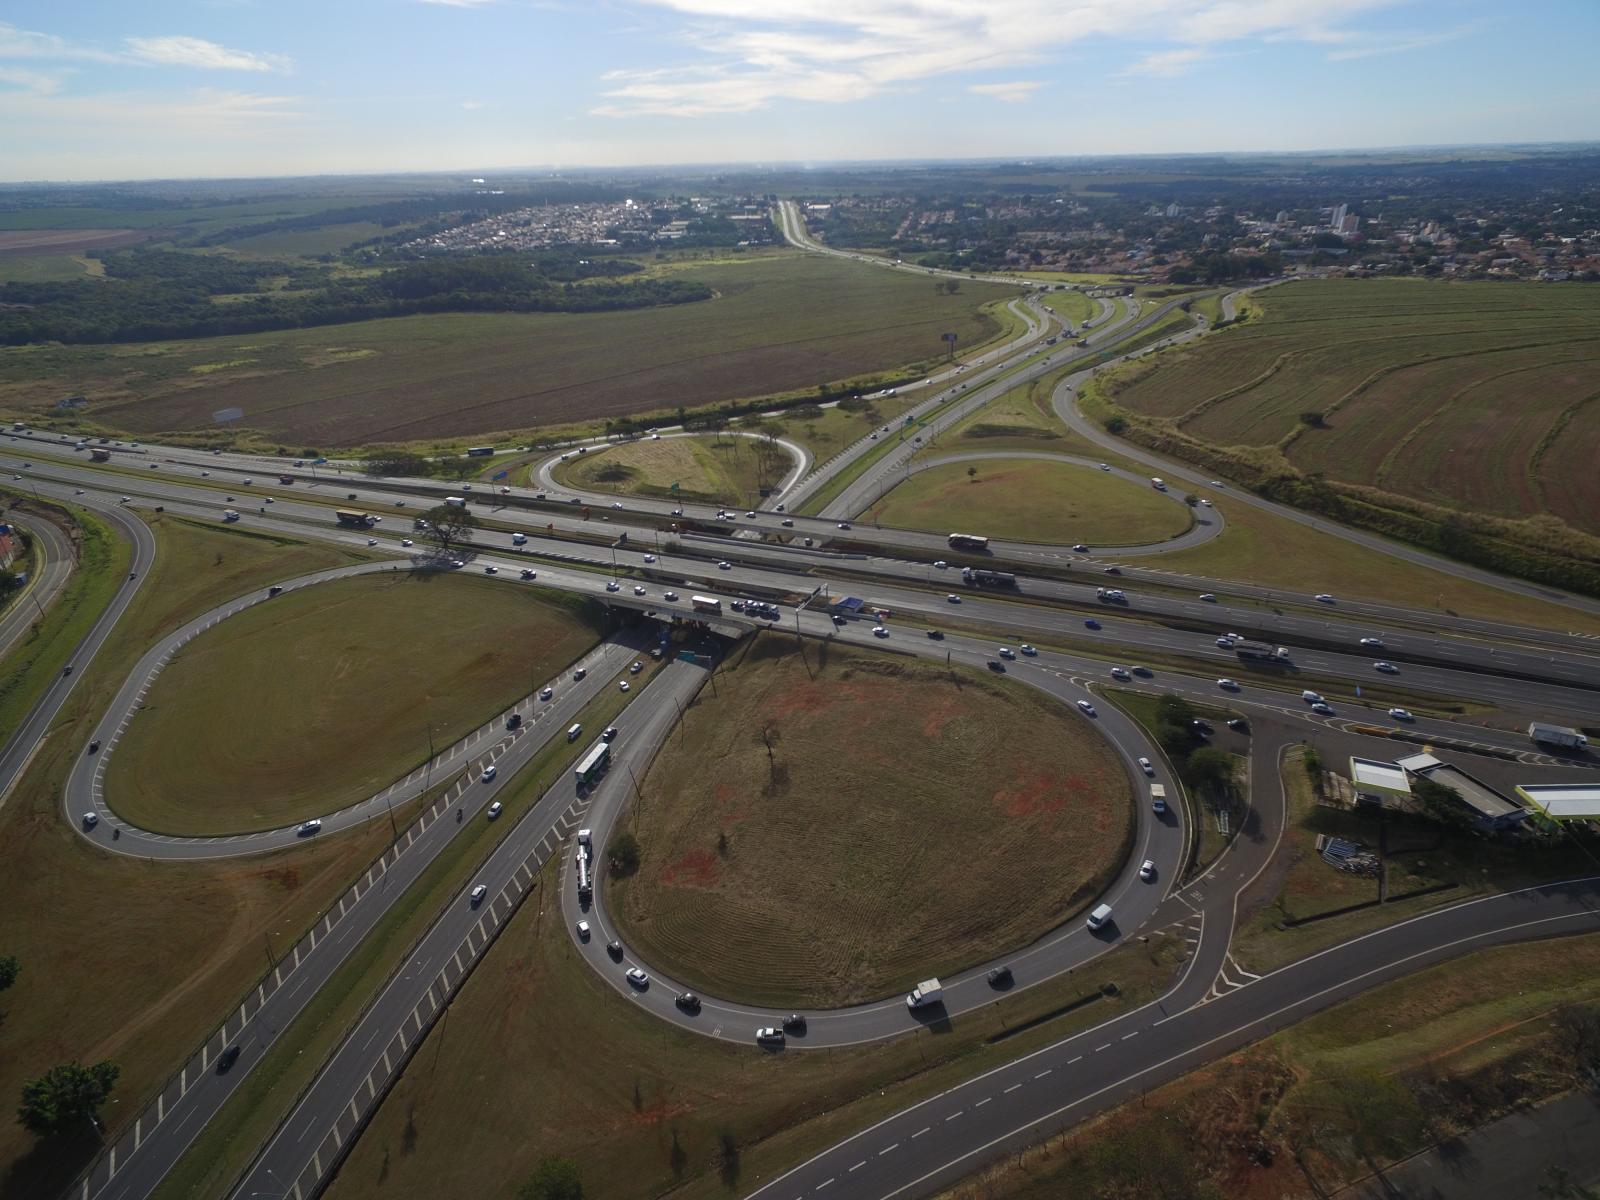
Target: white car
1105,466
638,590
583,931
613,586
372,541
495,810
1147,870
1087,708
953,598
1225,643
546,693
616,504
724,565
1323,598
491,570
247,481
635,667
1401,714
769,1036
879,631
1006,652
1208,597
1147,766
78,492
311,826
941,565
91,819
1388,668
1228,685
490,772
1322,708
669,596
1028,650
623,684
407,542
649,558
1372,643
477,895
1120,673
637,977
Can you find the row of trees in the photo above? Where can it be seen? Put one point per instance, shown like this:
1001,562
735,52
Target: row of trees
67,1098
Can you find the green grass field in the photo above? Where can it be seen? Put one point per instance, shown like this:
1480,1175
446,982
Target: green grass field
44,268
326,695
1478,396
860,856
777,324
174,945
717,470
1031,500
304,243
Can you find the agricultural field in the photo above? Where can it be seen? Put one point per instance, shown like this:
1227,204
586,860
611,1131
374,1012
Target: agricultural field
775,324
723,469
326,695
845,843
1031,499
304,243
46,268
1479,397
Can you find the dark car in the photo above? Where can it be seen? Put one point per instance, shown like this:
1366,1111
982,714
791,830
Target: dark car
514,721
94,745
1200,726
1239,725
1000,977
614,948
936,634
689,1002
997,666
794,1023
1091,623
227,1058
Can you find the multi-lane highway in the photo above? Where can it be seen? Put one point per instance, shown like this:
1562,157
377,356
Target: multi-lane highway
1081,637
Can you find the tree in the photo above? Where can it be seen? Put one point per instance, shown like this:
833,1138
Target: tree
65,1097
10,968
449,526
1208,767
1192,500
1173,709
553,1178
972,473
1312,418
624,854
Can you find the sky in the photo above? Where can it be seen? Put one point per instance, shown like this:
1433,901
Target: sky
140,89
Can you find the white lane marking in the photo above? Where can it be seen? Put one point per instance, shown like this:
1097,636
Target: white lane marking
1045,1072
1011,1089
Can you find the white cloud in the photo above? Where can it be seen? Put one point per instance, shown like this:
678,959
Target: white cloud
749,57
1399,44
1015,92
37,83
24,43
180,51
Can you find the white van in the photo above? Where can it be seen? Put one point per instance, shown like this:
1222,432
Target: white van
574,732
1100,917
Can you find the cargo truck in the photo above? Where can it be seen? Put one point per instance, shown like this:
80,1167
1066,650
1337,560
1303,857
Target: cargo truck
981,578
99,456
229,514
1559,736
355,520
456,501
925,993
1261,651
1158,798
706,604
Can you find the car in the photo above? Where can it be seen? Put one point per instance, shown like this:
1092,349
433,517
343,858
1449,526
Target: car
614,948
724,565
637,977
1372,643
1225,642
787,523
1200,727
1087,708
1000,977
750,516
1208,597
844,524
635,667
1147,870
1091,623
583,931
1006,652
638,589
1081,548
546,693
794,1023
578,673
1323,598
1311,697
456,564
514,721
1228,685
529,573
1143,672
1112,571
936,634
622,684
649,558
94,744
838,619
205,474
91,819
677,512
1147,766
688,1002
613,586
227,1058
669,596
1027,649
495,809
879,631
475,897
1388,668
491,570
609,733
122,500
1204,502
768,1036
1238,724
1120,673
79,492
1323,708
994,664
941,565
490,772
1401,714
67,670
247,481
269,500
309,827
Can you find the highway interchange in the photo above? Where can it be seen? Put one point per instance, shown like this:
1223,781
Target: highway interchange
1210,1009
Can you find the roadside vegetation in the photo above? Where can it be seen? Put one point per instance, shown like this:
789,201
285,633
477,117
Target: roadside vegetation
1032,500
324,696
1344,1094
846,844
721,469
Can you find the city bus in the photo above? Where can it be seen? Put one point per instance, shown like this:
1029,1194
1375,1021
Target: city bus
593,764
968,541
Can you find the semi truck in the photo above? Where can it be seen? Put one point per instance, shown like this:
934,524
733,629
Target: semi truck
705,604
585,886
1559,736
355,520
1261,652
978,577
99,456
928,992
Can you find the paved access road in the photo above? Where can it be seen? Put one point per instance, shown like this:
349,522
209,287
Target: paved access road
53,551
